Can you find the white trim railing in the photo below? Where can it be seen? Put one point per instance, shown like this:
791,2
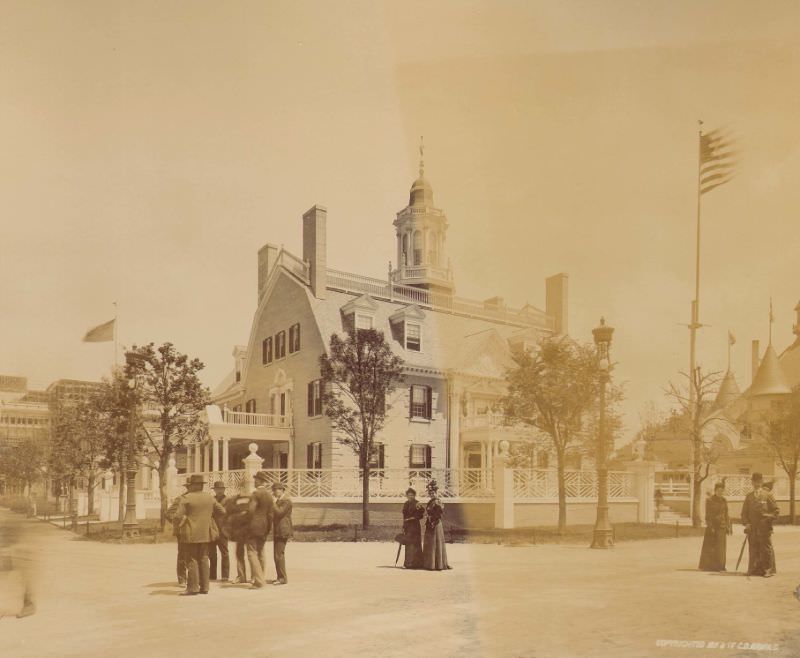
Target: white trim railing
346,484
257,420
383,289
543,484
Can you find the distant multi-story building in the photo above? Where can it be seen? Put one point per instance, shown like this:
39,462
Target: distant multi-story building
456,352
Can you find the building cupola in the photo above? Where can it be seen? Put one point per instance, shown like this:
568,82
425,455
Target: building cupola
421,230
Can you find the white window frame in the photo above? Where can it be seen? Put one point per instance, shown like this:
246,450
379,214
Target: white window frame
363,316
419,337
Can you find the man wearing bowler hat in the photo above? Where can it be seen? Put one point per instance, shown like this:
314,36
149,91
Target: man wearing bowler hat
281,530
758,512
221,544
261,508
195,522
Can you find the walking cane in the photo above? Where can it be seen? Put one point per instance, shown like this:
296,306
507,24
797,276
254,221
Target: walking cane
399,546
739,561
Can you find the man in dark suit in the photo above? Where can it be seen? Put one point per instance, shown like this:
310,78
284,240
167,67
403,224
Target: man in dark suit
281,530
195,521
171,517
261,508
758,512
221,544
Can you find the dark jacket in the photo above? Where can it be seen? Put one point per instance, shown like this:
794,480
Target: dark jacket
282,519
261,507
172,511
195,517
219,517
237,519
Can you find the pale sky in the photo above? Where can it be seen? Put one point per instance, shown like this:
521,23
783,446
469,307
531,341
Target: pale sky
150,148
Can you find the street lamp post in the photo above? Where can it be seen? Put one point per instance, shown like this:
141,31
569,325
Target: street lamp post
602,536
130,526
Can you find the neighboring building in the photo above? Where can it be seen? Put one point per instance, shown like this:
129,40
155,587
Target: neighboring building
27,414
736,417
456,352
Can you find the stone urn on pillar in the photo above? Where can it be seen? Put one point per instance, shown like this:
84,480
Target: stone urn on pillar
252,465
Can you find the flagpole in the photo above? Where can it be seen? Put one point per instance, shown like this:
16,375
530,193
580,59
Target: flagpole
116,324
695,316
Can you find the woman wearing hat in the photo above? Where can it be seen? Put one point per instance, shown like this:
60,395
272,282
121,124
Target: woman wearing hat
718,527
412,515
434,552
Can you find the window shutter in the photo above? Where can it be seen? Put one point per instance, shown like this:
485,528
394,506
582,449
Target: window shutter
264,351
428,456
410,401
429,402
296,337
318,465
381,461
411,456
310,398
310,456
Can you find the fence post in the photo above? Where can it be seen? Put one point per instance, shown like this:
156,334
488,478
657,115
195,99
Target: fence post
252,465
172,479
644,484
503,489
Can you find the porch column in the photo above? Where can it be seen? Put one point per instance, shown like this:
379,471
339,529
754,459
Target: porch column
455,429
215,454
225,455
206,460
189,459
198,456
290,454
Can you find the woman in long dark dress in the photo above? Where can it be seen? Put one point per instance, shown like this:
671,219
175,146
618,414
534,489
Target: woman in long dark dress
718,526
413,512
434,552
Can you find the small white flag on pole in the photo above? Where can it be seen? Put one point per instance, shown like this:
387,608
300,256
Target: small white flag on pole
102,333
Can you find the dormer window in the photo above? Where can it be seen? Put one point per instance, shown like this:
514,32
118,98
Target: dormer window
359,313
363,321
407,327
413,336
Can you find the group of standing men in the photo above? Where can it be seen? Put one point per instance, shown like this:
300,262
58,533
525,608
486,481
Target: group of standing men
204,524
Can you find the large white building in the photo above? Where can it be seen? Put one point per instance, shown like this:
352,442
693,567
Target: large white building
456,352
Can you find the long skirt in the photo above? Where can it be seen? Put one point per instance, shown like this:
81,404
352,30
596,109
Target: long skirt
434,552
413,557
712,555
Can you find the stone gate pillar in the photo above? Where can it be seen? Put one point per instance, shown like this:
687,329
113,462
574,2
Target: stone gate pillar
503,489
252,465
644,489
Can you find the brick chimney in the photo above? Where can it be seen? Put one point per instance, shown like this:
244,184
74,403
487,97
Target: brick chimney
314,247
556,301
267,256
755,360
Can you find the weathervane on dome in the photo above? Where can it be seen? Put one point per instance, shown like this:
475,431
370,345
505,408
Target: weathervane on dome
421,157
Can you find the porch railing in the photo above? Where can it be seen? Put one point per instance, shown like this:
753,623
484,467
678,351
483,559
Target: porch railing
259,420
387,483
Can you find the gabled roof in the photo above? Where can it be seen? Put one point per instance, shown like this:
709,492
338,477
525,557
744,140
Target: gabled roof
770,378
363,303
412,312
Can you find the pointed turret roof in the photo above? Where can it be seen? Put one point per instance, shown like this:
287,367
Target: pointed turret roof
728,391
770,378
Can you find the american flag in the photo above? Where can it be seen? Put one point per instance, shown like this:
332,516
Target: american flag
717,160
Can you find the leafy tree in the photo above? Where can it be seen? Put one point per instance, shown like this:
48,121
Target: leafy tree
78,440
782,436
358,375
23,463
553,389
168,385
691,417
120,408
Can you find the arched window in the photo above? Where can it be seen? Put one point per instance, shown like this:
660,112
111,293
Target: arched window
417,247
433,258
404,252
